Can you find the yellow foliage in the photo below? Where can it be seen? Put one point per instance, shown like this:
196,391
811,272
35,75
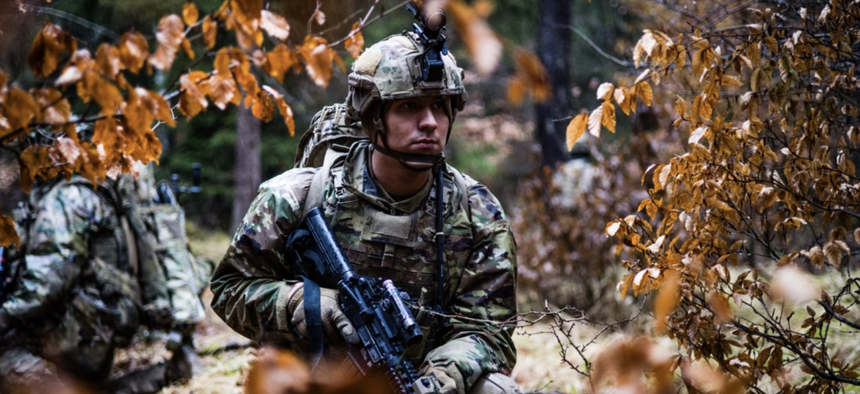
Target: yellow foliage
576,129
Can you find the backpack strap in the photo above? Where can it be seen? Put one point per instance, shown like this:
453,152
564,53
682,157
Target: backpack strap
464,196
315,193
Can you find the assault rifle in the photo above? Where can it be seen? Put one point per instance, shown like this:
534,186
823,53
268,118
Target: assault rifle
375,308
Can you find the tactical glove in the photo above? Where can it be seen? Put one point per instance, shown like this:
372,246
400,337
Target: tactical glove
435,379
336,327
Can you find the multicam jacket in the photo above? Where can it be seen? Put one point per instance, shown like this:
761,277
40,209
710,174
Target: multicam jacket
382,238
75,299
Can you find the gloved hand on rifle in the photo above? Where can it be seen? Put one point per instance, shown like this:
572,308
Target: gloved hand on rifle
336,327
438,379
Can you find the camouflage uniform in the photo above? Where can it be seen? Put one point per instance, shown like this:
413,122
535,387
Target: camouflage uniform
385,238
76,299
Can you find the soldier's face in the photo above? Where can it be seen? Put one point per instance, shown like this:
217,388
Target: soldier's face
417,125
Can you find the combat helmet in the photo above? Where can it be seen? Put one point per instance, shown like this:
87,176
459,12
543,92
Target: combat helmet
411,64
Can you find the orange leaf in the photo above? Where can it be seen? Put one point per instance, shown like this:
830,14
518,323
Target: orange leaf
604,92
106,95
643,90
8,235
720,306
133,50
189,13
54,109
318,57
667,299
284,108
45,53
106,133
186,46
222,86
169,35
516,91
607,118
19,108
210,32
278,61
108,62
263,108
576,129
69,149
192,100
482,42
532,74
355,42
247,14
275,25
33,160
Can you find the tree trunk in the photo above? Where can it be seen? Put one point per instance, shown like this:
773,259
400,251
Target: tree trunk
554,43
247,170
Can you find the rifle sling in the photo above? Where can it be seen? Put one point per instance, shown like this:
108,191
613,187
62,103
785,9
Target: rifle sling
313,320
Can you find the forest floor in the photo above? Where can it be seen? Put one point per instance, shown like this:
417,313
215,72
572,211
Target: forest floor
226,355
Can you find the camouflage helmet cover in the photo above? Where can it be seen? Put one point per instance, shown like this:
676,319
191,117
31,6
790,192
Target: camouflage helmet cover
388,70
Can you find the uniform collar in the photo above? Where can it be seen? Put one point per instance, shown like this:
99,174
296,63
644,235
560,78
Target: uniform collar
357,178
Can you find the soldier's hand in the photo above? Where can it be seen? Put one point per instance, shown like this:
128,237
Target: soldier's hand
435,380
336,327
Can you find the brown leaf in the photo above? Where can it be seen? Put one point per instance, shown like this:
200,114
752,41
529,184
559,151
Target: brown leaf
186,47
278,61
33,160
532,74
284,108
19,108
576,129
318,57
667,298
46,50
69,149
275,25
720,306
133,51
355,42
263,107
8,235
834,253
192,100
210,32
221,85
108,62
481,41
594,121
169,35
607,118
681,107
189,13
106,95
516,91
643,91
247,14
54,109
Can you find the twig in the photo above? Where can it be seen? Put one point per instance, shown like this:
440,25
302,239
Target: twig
81,21
596,48
365,22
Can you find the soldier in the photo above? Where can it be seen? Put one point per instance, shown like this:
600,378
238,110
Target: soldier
87,277
380,198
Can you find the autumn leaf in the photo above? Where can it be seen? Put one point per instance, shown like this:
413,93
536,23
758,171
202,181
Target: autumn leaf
108,62
667,299
189,13
54,109
594,120
210,31
484,46
247,14
19,108
169,36
32,160
275,25
516,91
696,135
720,306
531,75
192,100
318,17
221,85
607,118
284,109
263,108
8,235
355,42
576,129
133,51
276,62
604,92
319,58
46,50
643,91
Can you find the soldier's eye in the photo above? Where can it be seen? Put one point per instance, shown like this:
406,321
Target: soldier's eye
408,105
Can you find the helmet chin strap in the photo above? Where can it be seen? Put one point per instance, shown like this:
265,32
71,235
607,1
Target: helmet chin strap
405,158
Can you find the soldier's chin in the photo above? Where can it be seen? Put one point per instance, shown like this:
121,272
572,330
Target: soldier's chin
420,165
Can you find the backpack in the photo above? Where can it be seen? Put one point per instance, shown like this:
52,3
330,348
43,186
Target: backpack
329,137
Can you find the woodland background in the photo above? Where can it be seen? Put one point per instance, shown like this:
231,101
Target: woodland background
710,242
